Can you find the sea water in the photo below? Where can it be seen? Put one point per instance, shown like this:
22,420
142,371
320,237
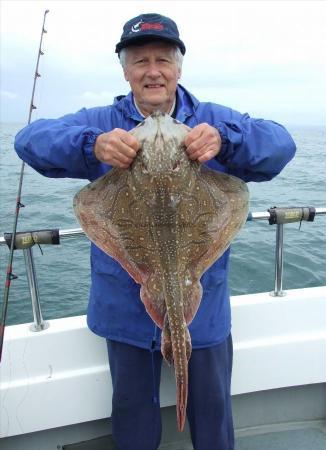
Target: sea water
63,271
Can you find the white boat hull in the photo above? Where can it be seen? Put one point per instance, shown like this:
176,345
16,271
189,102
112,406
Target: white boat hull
60,376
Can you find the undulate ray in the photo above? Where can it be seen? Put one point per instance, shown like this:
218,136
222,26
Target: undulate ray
166,219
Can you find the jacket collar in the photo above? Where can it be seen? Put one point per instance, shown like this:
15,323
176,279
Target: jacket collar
186,105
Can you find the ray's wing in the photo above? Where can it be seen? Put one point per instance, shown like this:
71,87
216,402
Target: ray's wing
229,201
111,218
210,217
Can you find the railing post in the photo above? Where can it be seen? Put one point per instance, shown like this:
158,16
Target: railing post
278,292
39,324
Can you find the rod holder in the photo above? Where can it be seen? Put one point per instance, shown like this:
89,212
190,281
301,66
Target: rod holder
39,324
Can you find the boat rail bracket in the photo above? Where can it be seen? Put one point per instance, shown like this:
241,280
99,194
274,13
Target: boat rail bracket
291,214
25,240
278,217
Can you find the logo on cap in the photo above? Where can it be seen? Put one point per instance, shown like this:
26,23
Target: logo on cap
152,26
144,26
135,28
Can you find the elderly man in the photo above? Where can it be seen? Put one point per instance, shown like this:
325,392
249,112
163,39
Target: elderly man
88,144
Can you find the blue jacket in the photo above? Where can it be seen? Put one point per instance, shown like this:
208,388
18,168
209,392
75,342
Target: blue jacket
252,149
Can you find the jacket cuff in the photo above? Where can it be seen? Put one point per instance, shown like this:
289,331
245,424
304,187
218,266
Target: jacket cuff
223,153
90,137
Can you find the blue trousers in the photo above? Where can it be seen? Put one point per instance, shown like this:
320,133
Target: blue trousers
136,418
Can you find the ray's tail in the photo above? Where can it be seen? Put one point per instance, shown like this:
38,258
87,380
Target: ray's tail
176,349
182,395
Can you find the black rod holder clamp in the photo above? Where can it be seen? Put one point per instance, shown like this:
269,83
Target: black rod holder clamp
26,239
287,215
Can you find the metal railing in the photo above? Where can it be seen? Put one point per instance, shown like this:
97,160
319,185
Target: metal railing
26,240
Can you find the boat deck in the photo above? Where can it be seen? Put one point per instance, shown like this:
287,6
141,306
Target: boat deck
306,437
301,436
282,419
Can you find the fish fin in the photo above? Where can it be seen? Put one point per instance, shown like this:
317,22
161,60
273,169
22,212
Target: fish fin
228,199
96,209
191,299
166,342
214,210
153,299
107,213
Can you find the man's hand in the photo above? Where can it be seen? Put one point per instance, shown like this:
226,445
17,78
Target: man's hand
203,142
117,148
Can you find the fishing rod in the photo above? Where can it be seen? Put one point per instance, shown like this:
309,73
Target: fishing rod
9,274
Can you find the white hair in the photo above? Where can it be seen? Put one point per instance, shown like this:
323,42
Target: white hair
177,54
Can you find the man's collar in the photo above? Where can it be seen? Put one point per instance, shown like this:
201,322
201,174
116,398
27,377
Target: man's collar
186,103
170,112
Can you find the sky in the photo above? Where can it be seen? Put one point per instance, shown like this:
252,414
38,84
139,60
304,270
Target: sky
266,58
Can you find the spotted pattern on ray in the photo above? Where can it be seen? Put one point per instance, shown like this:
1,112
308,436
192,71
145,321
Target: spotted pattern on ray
166,219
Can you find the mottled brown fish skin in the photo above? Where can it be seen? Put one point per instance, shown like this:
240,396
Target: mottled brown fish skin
166,220
176,343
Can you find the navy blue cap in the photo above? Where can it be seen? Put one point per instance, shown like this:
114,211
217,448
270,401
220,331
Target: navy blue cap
147,28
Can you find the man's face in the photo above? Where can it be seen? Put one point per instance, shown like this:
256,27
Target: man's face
152,72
